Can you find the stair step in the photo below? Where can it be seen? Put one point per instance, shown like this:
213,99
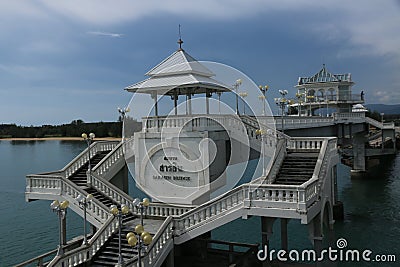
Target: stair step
289,183
294,176
103,263
299,171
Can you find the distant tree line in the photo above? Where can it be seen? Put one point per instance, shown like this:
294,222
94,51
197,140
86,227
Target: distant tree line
74,129
386,117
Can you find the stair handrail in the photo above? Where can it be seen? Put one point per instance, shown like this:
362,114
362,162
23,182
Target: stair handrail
299,197
214,207
163,236
306,194
119,196
330,149
384,125
312,186
95,207
44,259
85,253
63,188
253,122
83,157
104,165
274,164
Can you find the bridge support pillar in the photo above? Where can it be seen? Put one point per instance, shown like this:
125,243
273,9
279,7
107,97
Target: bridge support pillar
170,261
284,234
315,233
359,152
267,224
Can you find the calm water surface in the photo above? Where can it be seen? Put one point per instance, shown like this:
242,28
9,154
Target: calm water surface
372,208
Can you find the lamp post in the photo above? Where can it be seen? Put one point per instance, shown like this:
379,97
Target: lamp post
299,96
236,87
310,97
83,203
327,106
123,112
89,140
263,97
281,102
243,95
141,205
261,132
119,213
61,210
382,146
139,239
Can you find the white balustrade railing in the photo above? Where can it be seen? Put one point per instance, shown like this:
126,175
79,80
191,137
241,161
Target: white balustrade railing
116,194
85,253
263,122
162,243
83,157
52,187
308,143
294,122
272,169
247,196
108,161
253,195
199,215
181,219
348,115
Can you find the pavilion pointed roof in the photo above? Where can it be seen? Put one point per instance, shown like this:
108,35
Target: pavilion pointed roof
324,76
179,73
179,62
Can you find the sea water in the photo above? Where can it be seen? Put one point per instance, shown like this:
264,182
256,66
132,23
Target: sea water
372,208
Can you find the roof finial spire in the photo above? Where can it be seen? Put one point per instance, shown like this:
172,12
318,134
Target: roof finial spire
180,42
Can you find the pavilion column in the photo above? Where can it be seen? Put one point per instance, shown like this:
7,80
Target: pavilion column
208,94
176,103
189,104
154,96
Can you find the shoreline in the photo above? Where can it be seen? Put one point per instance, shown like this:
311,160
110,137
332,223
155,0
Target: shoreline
60,139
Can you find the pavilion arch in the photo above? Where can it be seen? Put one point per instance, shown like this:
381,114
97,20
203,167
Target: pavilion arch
331,93
321,94
327,215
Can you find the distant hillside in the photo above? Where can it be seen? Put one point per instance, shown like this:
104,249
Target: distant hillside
387,109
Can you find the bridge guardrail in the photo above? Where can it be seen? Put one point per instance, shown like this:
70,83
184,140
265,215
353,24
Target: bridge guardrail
83,157
107,162
298,198
154,209
85,253
254,195
161,245
54,187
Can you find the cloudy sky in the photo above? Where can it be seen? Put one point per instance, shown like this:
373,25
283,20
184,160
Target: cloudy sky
67,60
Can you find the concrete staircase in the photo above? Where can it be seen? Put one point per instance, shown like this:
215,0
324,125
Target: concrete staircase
108,254
297,168
80,177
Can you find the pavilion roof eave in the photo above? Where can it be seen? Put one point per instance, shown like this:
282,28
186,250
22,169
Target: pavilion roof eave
183,89
323,84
